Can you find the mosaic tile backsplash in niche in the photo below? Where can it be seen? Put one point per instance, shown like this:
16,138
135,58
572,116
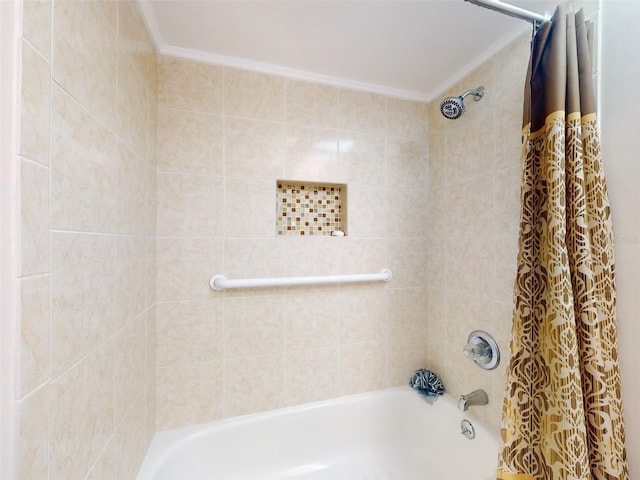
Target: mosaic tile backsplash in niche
309,208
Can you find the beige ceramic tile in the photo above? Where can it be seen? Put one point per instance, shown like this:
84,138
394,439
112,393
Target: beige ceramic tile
311,320
129,441
471,209
311,104
363,159
312,154
150,267
265,374
189,85
362,256
190,394
81,414
407,119
406,212
150,373
130,278
406,355
152,129
361,316
253,326
406,313
361,112
312,256
470,265
134,41
131,107
437,147
406,164
136,191
508,133
34,435
104,467
149,189
109,10
34,218
311,375
436,361
436,262
129,367
190,205
82,295
189,332
85,54
185,267
254,149
254,258
407,260
35,331
189,142
507,201
250,208
36,25
253,95
506,259
511,68
83,169
363,367
470,147
35,106
367,212
466,313
438,211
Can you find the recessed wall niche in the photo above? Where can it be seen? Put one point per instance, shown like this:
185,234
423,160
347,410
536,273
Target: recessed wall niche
310,208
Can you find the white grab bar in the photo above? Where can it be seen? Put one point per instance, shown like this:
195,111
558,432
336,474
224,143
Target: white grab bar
220,282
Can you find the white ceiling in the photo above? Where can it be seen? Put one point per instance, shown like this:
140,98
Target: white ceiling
411,49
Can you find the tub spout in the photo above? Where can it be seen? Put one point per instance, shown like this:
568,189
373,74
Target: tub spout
477,397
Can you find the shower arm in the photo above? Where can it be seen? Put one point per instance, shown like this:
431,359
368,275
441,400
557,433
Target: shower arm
478,93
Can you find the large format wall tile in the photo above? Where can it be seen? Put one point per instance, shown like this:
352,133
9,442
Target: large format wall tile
189,85
253,95
82,295
35,331
35,106
189,142
85,56
34,218
36,25
84,170
291,344
81,415
87,251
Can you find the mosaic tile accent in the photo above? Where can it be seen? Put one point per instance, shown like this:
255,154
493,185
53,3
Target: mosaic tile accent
310,208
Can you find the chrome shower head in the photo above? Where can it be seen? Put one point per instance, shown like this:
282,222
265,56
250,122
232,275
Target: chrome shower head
453,107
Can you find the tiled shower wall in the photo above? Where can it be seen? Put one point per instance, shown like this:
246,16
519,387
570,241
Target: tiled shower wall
474,187
87,266
474,208
225,137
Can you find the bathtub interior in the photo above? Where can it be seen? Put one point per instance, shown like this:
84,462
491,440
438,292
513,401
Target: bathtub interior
388,435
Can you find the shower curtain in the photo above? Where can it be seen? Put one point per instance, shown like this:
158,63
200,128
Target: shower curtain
562,410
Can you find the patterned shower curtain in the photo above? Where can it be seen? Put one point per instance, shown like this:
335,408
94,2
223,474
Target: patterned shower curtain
562,411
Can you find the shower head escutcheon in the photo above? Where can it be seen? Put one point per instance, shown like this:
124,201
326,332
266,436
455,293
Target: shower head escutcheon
453,107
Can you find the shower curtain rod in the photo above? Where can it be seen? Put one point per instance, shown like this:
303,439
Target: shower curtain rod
535,18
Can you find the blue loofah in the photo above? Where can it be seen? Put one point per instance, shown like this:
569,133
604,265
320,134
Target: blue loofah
425,382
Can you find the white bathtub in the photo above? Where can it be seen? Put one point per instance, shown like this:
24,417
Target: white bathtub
385,435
